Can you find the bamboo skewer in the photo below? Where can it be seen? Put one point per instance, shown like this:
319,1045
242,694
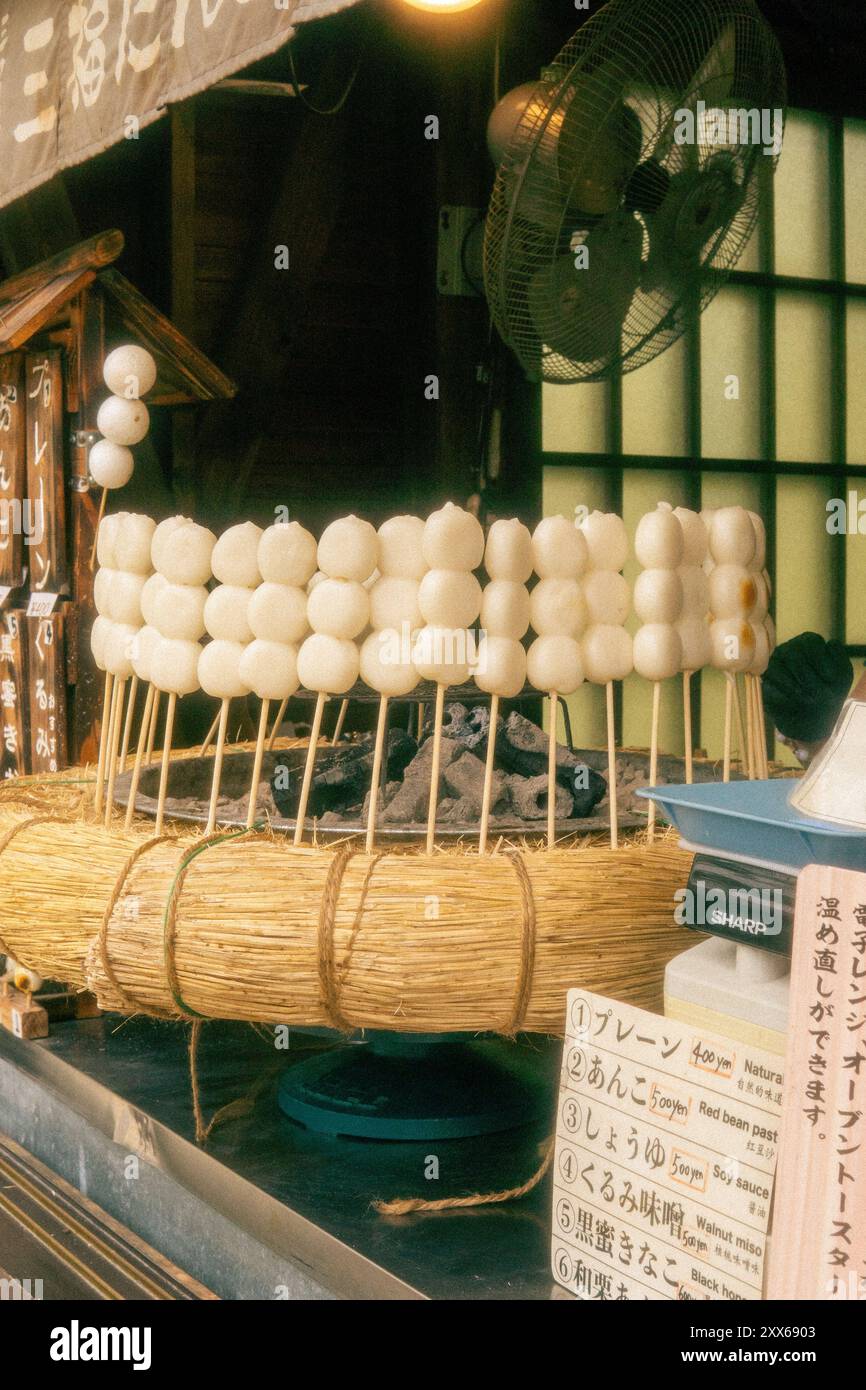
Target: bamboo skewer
281,714
381,726
217,767
654,757
341,719
488,775
154,720
435,762
729,710
209,736
309,765
742,746
127,727
551,771
751,729
166,755
257,763
103,742
139,755
612,806
765,755
687,726
116,721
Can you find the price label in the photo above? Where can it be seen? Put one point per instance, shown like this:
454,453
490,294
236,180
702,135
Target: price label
41,605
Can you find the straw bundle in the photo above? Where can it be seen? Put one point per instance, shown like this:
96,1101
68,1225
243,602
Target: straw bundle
253,929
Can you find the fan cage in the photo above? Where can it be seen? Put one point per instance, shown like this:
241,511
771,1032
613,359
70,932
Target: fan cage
610,103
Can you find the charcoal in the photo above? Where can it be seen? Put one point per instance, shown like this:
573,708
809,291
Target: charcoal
391,789
345,777
465,778
459,812
529,798
469,727
523,749
409,806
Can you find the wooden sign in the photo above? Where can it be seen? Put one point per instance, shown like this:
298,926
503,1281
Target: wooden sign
665,1152
46,671
13,696
819,1217
43,385
15,518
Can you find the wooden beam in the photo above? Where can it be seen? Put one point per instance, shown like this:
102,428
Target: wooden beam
92,254
21,320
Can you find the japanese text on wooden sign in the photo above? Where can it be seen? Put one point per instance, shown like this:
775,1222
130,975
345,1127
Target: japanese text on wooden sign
822,1158
665,1153
13,688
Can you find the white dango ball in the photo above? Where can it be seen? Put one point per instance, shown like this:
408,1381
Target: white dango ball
225,613
164,529
606,539
759,559
694,635
732,537
762,597
401,547
103,582
733,644
608,597
449,598
348,549
185,554
508,552
287,554
373,579
557,606
559,549
235,557
393,602
500,667
122,421
110,465
124,599
696,590
658,651
153,587
658,541
278,613
555,664
119,647
695,537
134,540
505,609
219,670
174,666
98,638
270,669
453,539
658,596
129,371
383,667
733,591
106,540
339,608
761,658
178,610
328,664
440,654
770,629
144,645
607,653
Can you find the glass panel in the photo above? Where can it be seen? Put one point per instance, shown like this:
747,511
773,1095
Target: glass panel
731,376
855,555
655,415
855,200
856,394
804,402
802,198
574,419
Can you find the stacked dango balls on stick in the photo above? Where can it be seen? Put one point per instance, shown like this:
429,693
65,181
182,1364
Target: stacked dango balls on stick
129,373
693,622
606,645
558,615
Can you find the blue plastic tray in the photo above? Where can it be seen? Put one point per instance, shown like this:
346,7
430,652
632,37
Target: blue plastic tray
754,819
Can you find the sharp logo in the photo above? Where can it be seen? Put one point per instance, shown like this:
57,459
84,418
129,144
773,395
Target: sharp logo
77,1343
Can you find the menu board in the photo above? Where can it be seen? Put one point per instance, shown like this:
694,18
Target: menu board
46,671
666,1142
15,515
13,695
43,385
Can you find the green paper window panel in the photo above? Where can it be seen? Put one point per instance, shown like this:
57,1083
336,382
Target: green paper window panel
855,201
856,354
804,388
802,198
654,411
731,375
575,419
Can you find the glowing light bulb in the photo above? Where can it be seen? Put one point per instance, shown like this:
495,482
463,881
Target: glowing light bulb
443,6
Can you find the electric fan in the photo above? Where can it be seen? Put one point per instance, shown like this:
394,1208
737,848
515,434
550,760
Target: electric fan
629,185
